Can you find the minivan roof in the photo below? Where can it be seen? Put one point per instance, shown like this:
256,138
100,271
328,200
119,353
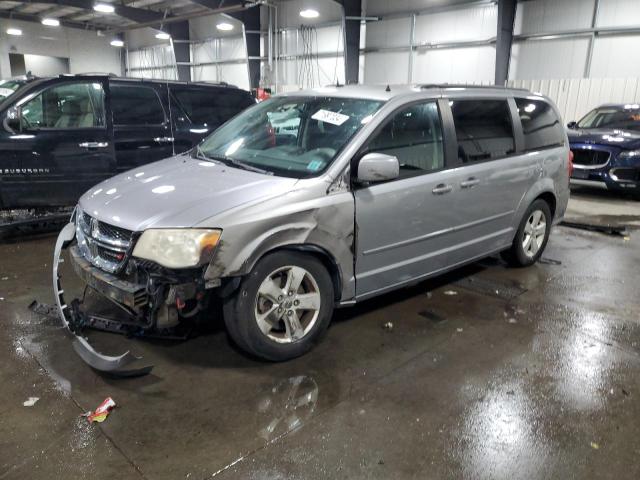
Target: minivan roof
387,92
132,79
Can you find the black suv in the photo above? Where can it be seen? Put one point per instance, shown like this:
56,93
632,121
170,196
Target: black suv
60,136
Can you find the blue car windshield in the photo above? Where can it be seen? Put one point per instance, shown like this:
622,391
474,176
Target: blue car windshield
289,136
612,118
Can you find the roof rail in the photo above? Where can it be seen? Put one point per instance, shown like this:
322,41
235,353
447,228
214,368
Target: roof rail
464,85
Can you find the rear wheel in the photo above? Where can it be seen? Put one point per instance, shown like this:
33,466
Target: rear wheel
531,237
282,308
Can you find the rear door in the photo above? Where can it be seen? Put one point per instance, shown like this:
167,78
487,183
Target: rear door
205,109
63,146
142,132
492,175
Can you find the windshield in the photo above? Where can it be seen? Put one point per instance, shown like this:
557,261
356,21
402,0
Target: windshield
289,136
7,87
627,118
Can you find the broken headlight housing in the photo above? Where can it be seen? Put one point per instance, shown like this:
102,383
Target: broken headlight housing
178,247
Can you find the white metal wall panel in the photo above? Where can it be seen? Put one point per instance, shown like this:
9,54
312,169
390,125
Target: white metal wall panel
389,33
221,49
477,23
616,56
326,71
454,65
152,62
537,16
385,7
386,67
561,58
613,13
576,96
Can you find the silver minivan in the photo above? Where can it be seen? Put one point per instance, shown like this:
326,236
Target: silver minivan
314,200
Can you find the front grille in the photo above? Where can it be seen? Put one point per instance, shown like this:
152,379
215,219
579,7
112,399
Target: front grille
590,158
105,246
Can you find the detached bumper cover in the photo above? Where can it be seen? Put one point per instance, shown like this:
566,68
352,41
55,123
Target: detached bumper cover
72,319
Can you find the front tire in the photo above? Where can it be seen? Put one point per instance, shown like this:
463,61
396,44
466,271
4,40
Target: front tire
531,237
282,308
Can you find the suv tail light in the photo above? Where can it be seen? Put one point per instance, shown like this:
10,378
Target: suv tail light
570,163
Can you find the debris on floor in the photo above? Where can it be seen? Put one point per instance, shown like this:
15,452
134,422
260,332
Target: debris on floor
31,401
101,413
549,261
512,320
616,230
595,446
459,330
450,292
388,326
42,309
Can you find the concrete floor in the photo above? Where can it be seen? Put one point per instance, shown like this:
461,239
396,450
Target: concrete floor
530,373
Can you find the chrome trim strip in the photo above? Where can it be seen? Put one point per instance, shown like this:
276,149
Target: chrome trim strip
589,183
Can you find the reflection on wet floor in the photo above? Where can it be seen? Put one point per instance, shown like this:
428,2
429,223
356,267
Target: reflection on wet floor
517,375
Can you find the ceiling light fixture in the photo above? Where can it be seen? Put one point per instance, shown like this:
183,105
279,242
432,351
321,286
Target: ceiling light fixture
224,26
117,43
14,31
51,22
104,8
163,36
309,13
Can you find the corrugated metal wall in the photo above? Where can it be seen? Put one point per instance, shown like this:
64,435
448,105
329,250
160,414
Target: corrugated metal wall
575,97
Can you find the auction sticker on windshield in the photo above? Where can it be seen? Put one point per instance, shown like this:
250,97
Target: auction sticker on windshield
330,117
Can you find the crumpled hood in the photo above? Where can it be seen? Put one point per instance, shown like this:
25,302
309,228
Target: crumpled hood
627,139
177,192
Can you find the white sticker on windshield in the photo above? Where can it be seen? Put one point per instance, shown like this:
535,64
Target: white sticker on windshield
5,92
333,118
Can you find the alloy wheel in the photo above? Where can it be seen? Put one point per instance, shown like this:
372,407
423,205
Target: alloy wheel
534,233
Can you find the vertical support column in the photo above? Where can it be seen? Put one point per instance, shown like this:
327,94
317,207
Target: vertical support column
412,44
504,39
352,18
179,32
251,20
592,39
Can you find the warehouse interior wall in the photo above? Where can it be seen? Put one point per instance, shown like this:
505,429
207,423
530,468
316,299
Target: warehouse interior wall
86,51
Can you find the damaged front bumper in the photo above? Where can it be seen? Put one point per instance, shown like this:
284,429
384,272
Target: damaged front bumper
74,319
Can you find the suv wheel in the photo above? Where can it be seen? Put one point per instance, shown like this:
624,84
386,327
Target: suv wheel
531,237
282,308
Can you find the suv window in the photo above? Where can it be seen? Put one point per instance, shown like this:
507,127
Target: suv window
70,105
483,129
414,136
135,105
212,106
540,124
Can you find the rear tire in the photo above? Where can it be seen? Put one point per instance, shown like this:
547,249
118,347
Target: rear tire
282,308
531,237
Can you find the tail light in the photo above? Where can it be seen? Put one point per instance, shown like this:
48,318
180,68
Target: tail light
570,163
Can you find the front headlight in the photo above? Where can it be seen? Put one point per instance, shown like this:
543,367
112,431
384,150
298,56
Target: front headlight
630,155
178,247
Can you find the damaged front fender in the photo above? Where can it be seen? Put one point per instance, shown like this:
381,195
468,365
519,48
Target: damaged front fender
72,319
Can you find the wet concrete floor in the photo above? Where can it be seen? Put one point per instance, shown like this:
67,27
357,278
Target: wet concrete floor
487,373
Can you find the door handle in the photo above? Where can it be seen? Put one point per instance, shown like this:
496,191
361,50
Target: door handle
441,189
93,144
470,182
163,139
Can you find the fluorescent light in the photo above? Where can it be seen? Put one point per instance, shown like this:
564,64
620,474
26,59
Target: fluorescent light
104,8
309,13
225,27
51,22
117,43
14,31
163,36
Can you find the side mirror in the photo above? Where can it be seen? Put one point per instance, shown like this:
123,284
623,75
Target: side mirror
377,167
12,119
572,125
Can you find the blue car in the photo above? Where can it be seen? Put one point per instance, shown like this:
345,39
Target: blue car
606,148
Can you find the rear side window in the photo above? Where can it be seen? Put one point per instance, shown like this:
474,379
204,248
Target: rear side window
540,124
135,105
212,106
483,129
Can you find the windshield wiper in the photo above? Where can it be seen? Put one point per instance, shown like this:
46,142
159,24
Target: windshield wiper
239,164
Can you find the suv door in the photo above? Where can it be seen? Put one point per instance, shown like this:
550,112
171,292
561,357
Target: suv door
63,146
142,132
403,225
492,178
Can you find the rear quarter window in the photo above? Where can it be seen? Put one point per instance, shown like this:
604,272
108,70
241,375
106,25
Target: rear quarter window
212,106
540,125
